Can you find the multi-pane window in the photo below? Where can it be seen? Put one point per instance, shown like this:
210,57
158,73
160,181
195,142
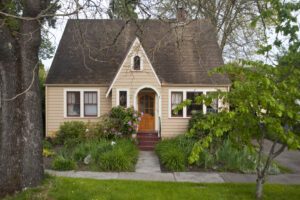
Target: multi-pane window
176,99
213,107
73,104
194,107
178,96
123,98
90,104
136,63
83,103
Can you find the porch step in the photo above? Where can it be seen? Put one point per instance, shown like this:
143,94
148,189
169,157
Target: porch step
147,140
146,148
147,143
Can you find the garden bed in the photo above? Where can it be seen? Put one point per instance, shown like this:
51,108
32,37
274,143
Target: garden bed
223,156
105,145
94,155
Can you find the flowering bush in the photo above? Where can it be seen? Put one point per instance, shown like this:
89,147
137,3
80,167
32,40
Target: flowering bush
121,121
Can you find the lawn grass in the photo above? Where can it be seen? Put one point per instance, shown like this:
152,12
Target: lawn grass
56,188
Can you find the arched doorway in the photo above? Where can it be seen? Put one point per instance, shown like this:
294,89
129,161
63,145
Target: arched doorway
147,103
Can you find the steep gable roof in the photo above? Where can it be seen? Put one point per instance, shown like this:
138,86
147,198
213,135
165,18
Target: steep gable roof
136,44
92,51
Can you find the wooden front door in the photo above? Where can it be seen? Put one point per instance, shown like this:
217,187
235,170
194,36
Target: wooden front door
146,102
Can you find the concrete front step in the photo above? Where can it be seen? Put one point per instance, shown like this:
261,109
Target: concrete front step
147,143
154,139
146,148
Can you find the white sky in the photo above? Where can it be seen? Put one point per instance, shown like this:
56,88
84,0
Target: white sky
55,36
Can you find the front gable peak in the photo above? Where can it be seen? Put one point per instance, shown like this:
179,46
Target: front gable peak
136,60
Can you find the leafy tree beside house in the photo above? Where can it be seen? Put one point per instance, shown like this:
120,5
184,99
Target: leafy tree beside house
264,99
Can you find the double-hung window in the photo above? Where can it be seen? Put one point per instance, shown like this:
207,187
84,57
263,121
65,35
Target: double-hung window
73,104
176,99
177,96
81,103
194,107
90,104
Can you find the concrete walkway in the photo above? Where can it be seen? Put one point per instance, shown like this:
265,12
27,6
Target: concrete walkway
148,169
194,177
147,163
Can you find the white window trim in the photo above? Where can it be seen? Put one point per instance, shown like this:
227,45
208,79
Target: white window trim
184,91
81,90
141,62
118,97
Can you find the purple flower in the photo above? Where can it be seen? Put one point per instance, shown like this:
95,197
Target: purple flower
142,113
129,123
139,119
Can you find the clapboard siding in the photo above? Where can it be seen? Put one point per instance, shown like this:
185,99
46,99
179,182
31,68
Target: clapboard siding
55,107
133,80
176,126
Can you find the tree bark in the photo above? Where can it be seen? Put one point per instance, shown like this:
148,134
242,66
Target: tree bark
10,138
259,187
32,165
21,163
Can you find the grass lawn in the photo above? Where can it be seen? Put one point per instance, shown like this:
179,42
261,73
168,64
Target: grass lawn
81,189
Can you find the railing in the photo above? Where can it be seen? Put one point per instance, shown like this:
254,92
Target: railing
159,127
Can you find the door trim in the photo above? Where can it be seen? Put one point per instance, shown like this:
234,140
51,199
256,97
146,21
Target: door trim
158,103
153,95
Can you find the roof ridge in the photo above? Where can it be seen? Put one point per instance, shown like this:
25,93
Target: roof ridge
148,19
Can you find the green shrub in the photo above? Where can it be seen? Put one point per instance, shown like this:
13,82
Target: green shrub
121,157
195,127
228,157
121,121
231,158
47,144
173,153
95,130
48,153
173,159
115,160
62,163
73,130
106,155
222,155
91,147
206,160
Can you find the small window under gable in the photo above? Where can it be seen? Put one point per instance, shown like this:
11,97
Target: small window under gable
137,63
123,98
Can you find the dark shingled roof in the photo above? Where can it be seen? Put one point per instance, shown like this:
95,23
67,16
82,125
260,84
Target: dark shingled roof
91,51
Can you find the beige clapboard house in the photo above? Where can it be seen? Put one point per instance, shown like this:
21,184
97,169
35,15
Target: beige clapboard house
148,64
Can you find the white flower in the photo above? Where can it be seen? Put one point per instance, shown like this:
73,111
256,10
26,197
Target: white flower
87,130
113,143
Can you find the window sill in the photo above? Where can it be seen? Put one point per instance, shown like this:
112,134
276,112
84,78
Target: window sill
136,70
179,117
85,117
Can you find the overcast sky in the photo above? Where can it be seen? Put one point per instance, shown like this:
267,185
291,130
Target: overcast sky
55,36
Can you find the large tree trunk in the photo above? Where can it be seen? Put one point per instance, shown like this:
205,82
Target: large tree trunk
10,114
20,111
32,165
